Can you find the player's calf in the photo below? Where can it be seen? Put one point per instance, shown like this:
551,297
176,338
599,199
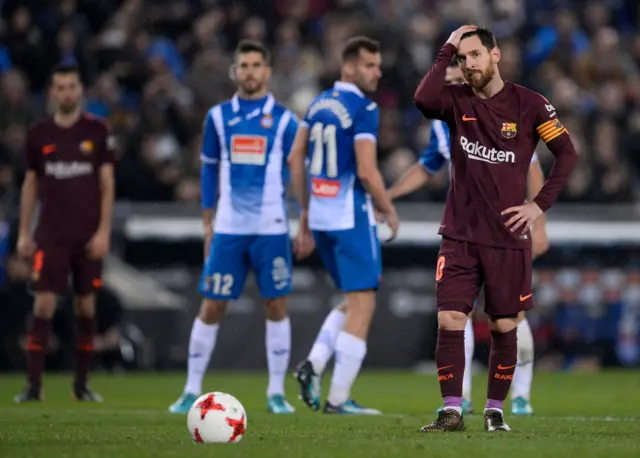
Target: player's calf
37,342
450,358
212,311
351,345
502,364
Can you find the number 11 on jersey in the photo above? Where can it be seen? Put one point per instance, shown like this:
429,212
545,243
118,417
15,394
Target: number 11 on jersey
322,135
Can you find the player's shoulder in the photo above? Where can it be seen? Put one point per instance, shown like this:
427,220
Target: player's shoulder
369,104
281,110
41,125
528,95
94,125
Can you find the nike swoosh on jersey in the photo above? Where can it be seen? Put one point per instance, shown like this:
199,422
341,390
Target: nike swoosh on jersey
466,118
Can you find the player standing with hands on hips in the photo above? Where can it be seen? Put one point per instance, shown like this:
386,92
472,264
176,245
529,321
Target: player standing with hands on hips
340,131
495,126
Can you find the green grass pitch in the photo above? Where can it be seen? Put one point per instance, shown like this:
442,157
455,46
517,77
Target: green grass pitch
577,415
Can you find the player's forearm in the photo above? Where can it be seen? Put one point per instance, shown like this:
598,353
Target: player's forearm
299,185
208,186
107,198
535,182
28,199
428,94
566,160
412,180
208,191
373,183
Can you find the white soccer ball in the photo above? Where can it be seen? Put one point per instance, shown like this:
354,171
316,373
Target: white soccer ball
215,418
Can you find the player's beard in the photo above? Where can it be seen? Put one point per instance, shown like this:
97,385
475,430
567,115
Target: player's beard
366,85
68,107
478,79
251,86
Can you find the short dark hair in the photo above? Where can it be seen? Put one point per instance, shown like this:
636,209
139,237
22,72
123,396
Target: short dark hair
246,46
64,69
487,38
353,46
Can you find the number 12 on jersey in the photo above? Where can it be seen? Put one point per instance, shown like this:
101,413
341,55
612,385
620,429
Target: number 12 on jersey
322,135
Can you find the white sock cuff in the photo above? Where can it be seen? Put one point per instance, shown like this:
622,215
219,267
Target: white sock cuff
278,327
352,345
202,328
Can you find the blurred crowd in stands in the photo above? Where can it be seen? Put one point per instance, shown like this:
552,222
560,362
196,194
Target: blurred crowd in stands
154,67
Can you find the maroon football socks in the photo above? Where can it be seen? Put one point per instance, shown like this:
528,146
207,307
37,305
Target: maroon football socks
85,332
37,341
450,362
502,365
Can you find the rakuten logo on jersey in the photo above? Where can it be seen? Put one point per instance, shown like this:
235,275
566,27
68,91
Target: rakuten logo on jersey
67,170
479,152
324,188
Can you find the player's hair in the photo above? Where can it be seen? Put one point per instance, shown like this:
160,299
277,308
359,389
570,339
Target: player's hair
353,46
487,38
64,69
246,46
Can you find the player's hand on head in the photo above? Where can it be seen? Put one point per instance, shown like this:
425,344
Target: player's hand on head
455,37
98,246
539,242
26,246
523,216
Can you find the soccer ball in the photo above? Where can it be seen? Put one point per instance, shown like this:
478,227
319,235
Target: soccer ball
217,417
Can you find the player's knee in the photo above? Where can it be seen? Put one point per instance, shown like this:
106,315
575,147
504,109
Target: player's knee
362,303
212,311
275,308
85,305
503,325
44,305
451,320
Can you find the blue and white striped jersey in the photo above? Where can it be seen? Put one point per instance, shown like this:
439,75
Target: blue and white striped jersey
336,119
438,152
245,145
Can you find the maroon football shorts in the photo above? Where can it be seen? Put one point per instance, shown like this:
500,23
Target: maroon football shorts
464,267
53,262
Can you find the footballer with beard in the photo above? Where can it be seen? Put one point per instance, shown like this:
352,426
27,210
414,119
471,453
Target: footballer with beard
495,127
70,172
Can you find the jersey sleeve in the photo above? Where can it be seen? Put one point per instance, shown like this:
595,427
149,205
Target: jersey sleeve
434,157
289,134
210,152
549,128
433,97
209,156
106,145
366,121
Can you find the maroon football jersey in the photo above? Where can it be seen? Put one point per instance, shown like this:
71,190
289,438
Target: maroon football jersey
67,162
492,142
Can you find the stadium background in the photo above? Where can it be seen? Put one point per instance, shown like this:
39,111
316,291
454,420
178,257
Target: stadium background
153,68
